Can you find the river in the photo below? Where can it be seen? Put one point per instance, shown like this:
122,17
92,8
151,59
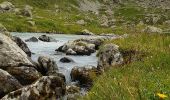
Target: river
48,49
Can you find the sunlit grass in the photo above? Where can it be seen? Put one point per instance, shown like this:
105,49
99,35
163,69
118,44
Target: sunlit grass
139,80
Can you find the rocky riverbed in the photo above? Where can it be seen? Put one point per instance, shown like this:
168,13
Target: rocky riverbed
41,66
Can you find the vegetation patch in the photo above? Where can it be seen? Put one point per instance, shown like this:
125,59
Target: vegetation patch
142,79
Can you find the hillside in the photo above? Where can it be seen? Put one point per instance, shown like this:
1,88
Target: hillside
72,16
130,37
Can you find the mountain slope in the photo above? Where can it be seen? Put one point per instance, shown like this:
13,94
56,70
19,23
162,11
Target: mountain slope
72,16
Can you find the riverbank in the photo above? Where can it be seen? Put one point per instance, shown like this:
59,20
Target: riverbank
145,74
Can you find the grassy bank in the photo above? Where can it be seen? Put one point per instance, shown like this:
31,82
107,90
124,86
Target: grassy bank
139,80
52,16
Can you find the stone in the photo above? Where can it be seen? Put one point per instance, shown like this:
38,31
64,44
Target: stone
11,55
8,83
47,66
25,75
46,88
84,75
81,22
152,29
71,52
97,41
66,60
109,56
72,89
27,11
77,48
46,38
22,45
6,6
86,32
32,39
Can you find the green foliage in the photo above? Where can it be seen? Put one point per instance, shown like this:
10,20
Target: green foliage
140,80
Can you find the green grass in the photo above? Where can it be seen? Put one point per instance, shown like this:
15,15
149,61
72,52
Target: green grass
48,20
139,80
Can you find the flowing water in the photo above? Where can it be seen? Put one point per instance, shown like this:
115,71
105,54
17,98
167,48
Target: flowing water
48,49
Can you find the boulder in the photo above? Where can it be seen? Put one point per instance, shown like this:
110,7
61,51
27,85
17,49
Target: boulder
25,75
84,75
71,52
77,48
7,83
109,56
11,55
97,41
22,45
46,88
66,60
152,29
86,32
72,89
47,66
6,6
27,11
46,38
32,39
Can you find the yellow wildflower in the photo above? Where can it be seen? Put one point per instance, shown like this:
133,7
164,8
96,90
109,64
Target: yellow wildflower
162,96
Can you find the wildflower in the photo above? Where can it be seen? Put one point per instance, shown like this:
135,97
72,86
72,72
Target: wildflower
162,96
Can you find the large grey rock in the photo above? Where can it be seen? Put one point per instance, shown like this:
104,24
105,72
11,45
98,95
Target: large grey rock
6,6
84,75
47,66
108,56
25,75
7,83
22,45
11,55
46,88
77,48
70,52
97,41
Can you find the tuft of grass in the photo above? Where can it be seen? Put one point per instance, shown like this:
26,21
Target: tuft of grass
139,80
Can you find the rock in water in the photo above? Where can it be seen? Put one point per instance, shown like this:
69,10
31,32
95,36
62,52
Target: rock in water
46,38
66,60
71,52
109,56
84,75
86,32
11,55
77,48
25,75
7,83
47,66
32,39
22,45
46,88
